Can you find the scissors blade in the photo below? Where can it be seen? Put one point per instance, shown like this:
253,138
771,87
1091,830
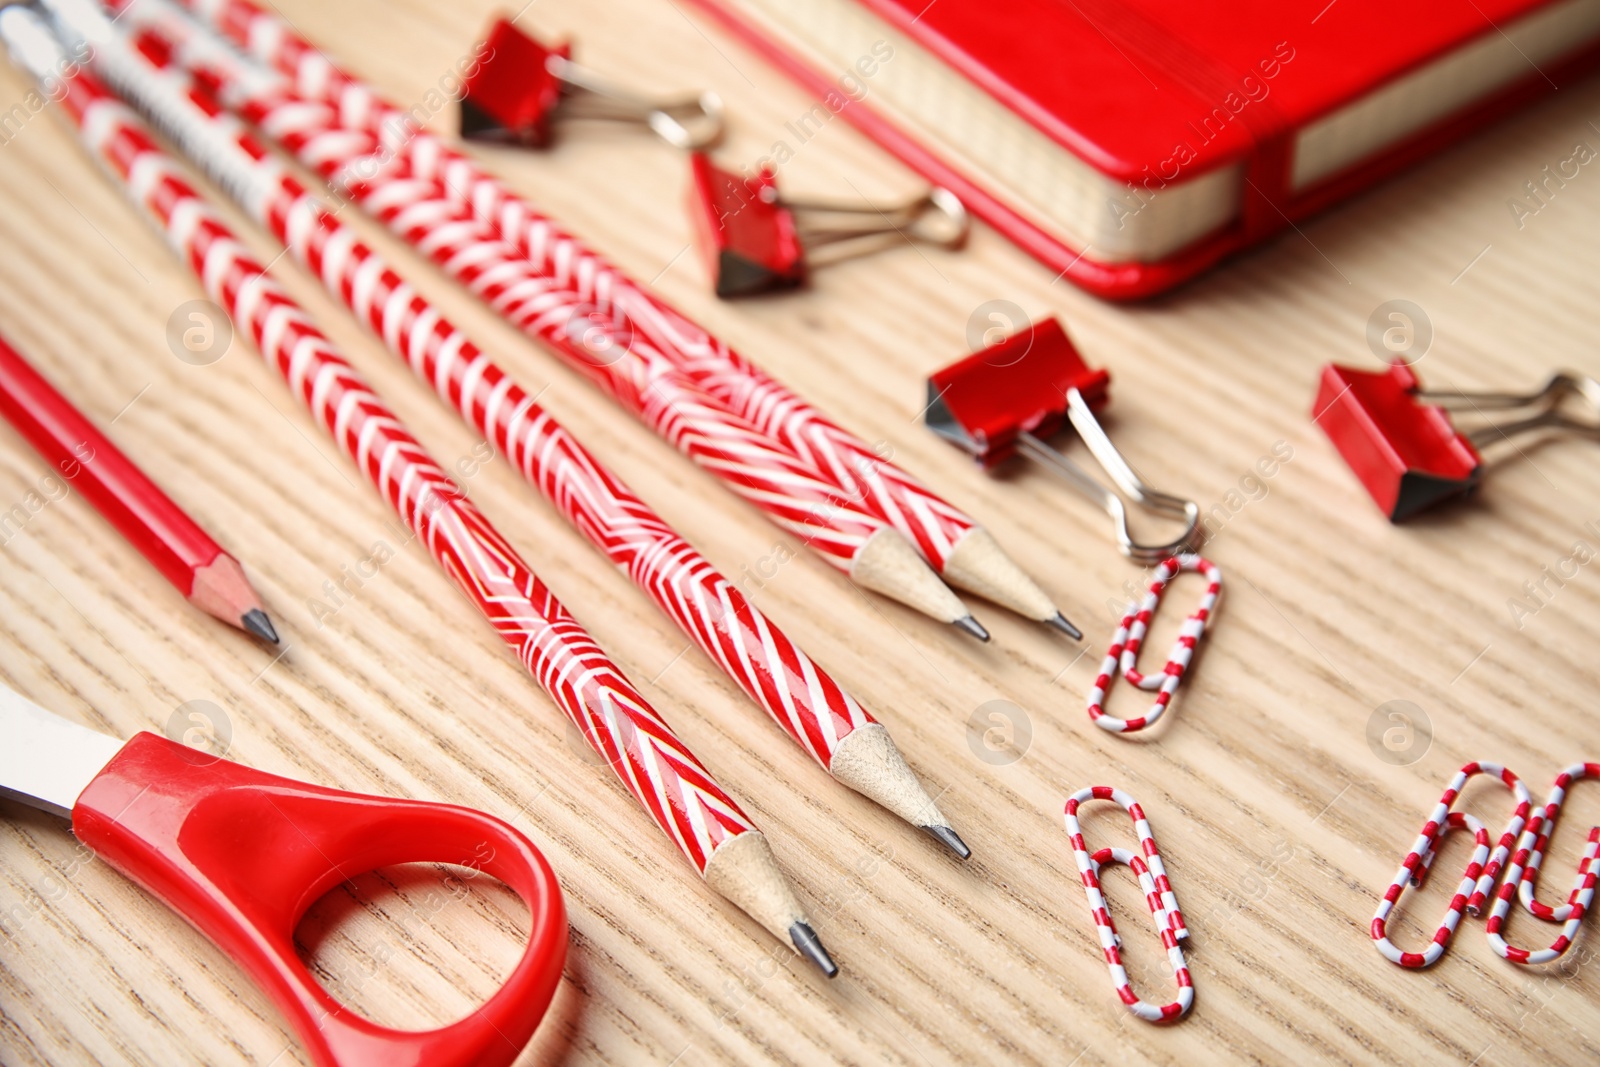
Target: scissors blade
46,761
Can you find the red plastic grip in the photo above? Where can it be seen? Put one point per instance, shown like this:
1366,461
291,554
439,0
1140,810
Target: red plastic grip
242,854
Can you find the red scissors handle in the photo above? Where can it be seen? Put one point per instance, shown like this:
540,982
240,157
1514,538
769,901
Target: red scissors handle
242,854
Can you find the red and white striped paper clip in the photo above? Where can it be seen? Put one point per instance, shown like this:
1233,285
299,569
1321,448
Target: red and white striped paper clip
1524,870
1123,655
1548,815
1482,869
1158,895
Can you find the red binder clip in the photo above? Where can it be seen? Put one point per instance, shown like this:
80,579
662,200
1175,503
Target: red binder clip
1009,396
756,241
520,86
1400,440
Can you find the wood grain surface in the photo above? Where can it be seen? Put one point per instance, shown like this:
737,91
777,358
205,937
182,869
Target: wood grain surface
1279,821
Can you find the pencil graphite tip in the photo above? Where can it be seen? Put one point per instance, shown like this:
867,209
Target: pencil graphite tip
1060,622
972,626
806,943
255,620
950,840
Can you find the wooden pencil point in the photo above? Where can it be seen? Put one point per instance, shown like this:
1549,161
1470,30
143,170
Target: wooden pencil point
150,520
980,566
744,870
868,762
888,564
221,589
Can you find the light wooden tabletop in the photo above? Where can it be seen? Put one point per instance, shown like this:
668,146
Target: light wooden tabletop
1280,818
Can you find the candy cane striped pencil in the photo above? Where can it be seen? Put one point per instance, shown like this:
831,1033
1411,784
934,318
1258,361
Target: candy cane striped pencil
198,567
633,373
630,370
663,775
816,712
961,550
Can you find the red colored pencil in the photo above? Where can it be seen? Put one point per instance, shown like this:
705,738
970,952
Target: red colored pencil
164,534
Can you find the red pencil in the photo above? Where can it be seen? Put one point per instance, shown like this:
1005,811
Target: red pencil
186,556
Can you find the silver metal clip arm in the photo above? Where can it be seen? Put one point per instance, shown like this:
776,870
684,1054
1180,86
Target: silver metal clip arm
937,218
689,122
1550,401
1118,470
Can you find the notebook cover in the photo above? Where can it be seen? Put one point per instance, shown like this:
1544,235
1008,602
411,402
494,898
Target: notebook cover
1121,83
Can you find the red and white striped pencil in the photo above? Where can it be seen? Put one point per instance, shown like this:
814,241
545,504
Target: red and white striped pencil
963,552
632,372
565,313
685,801
816,712
161,531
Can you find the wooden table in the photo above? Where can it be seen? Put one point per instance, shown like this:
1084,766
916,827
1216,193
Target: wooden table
1280,822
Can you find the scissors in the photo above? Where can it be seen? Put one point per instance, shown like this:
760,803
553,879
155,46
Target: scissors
241,855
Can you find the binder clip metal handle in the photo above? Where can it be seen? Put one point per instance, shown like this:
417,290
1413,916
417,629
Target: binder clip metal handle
516,91
936,217
1550,401
1010,396
687,122
757,241
1122,474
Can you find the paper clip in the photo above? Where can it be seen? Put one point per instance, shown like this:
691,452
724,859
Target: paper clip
1123,655
1400,440
1582,897
756,241
1523,872
1010,396
1548,815
1482,869
519,87
1158,894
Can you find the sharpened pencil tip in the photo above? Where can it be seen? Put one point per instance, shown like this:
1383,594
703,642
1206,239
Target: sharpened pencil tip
1061,623
806,942
950,840
255,620
972,626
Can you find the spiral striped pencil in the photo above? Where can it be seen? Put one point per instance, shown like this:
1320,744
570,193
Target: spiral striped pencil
685,801
816,712
633,373
963,552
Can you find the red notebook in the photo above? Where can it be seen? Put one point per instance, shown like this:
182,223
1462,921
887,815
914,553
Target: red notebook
1132,143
